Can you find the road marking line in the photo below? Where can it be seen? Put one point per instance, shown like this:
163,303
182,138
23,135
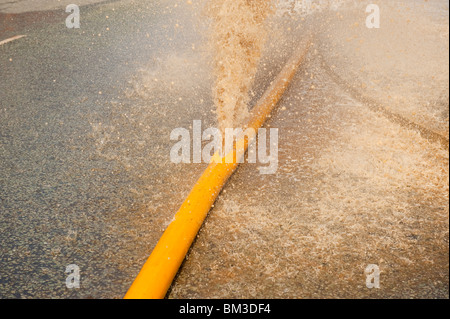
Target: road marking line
12,39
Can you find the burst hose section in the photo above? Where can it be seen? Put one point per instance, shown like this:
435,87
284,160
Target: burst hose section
157,274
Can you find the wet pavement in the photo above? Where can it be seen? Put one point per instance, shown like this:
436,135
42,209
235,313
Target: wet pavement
85,174
361,198
86,178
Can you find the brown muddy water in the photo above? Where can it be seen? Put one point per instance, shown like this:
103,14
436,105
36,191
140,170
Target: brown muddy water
353,188
93,185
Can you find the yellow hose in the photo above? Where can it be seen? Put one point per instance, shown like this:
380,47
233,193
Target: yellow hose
158,272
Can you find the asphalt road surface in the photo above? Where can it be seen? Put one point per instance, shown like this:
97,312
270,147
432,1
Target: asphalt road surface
71,192
86,177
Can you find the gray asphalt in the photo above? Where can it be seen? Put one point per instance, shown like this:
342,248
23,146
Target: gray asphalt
63,198
86,178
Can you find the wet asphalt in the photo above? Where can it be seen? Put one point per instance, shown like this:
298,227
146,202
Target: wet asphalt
85,174
60,202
